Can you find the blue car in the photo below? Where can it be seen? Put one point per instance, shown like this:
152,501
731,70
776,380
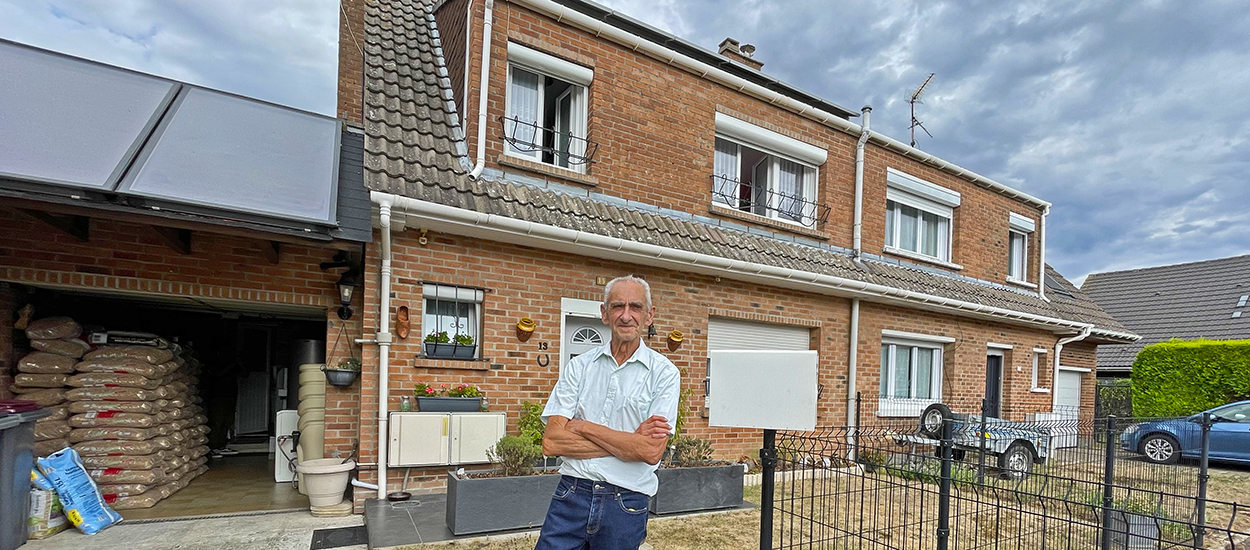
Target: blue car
1167,441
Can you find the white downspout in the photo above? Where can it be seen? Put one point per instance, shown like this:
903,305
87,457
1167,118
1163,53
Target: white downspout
1054,376
488,21
1041,256
859,191
852,359
384,342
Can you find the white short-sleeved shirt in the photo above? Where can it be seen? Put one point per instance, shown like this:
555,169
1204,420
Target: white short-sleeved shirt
593,388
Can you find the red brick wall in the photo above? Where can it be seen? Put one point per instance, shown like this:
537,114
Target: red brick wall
127,256
351,60
8,355
963,372
452,20
655,126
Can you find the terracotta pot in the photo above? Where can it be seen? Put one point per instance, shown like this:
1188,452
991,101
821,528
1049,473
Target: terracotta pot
674,340
525,328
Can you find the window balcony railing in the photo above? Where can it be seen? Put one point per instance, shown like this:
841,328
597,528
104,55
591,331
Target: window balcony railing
768,202
554,147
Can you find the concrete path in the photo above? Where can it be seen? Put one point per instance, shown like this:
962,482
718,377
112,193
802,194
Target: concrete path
273,531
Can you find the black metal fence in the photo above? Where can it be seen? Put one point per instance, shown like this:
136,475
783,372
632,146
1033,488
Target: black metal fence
886,485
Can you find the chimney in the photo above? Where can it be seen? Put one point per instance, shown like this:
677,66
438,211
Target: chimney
741,53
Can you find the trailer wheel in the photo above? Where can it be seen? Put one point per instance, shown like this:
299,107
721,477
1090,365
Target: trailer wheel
932,420
1017,461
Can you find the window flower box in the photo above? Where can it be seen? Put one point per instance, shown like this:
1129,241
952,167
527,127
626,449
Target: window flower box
449,404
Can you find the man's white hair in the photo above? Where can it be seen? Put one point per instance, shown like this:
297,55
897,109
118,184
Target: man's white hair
607,289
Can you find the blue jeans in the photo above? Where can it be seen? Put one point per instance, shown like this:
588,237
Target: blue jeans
594,515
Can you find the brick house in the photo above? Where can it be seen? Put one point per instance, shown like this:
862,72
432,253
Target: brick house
521,153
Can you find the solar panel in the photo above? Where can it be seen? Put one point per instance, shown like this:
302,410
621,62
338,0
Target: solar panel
70,122
223,152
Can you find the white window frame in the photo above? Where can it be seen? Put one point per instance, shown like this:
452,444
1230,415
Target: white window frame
776,147
906,190
1020,227
1039,361
453,294
579,79
894,342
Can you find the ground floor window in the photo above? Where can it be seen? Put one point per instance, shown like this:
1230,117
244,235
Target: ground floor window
453,317
911,377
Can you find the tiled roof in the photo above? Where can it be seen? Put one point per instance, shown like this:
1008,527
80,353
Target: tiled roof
415,148
1186,301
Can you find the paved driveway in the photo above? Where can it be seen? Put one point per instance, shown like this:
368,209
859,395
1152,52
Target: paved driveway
273,531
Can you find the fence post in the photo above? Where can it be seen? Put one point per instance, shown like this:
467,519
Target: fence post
768,462
1108,482
1203,475
944,487
855,430
981,460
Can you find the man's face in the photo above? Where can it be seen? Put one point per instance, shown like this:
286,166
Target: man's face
626,312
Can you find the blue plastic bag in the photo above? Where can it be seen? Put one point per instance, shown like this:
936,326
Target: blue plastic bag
38,481
78,493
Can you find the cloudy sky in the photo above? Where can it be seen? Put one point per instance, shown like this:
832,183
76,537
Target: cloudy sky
1133,118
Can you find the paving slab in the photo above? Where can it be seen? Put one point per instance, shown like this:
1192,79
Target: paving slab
291,530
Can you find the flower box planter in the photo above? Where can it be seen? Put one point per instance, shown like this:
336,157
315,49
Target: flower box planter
452,351
449,404
482,505
341,377
701,488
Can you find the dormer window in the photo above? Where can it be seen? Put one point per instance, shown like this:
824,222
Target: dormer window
1018,247
918,217
766,173
546,111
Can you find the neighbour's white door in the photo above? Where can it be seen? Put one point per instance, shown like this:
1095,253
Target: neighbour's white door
1068,393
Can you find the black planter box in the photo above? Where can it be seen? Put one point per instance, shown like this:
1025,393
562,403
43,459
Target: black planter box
482,505
456,351
449,404
693,489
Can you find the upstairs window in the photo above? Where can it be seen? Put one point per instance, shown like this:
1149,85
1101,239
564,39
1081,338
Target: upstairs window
765,173
546,111
918,217
1018,247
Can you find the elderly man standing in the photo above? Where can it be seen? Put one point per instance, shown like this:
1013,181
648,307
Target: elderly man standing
608,416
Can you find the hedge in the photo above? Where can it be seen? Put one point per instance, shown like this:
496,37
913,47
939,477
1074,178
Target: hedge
1180,378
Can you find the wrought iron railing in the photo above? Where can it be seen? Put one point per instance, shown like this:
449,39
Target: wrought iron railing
768,201
528,137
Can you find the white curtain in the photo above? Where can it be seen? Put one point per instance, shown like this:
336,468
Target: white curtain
790,190
924,373
725,173
907,227
1017,255
902,371
523,92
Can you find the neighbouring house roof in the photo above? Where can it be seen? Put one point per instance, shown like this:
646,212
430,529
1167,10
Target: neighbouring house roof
1186,301
415,147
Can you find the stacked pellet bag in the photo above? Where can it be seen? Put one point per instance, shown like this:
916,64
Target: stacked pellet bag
135,423
43,375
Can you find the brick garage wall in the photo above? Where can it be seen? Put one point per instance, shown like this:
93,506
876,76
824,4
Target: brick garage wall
1084,355
452,21
528,282
351,61
130,257
963,369
8,355
655,126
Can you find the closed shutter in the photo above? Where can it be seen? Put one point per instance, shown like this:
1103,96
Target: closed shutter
1068,392
731,334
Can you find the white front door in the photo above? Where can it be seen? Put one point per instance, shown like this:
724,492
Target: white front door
583,334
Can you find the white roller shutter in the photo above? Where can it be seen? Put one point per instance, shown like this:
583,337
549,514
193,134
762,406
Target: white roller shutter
1068,392
731,334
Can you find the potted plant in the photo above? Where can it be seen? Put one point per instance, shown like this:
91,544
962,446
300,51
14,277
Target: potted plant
439,344
444,398
690,479
514,496
344,372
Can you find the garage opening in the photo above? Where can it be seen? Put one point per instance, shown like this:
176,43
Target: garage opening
247,358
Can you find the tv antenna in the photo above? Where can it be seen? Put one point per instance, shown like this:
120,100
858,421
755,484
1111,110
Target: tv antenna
913,100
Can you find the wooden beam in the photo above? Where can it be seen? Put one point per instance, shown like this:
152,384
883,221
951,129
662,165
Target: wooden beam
78,227
272,251
177,239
